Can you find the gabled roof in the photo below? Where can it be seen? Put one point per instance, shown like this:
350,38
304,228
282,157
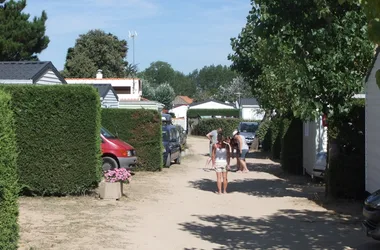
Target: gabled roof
186,99
103,90
248,101
26,70
206,101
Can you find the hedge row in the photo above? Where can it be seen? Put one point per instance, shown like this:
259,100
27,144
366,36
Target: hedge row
206,125
142,129
282,136
57,134
194,113
8,176
346,172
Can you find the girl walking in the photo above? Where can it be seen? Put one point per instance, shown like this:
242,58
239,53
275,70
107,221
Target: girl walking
221,163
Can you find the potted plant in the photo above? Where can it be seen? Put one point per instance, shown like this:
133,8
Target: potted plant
112,187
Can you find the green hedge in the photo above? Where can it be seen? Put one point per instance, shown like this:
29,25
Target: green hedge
346,173
292,146
142,129
8,177
58,137
206,125
194,113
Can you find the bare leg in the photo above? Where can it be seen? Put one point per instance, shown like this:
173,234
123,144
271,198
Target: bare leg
241,166
244,166
225,182
219,182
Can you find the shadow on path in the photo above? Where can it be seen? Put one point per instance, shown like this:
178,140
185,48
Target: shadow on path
289,229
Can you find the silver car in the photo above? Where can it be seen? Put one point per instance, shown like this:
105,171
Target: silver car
248,130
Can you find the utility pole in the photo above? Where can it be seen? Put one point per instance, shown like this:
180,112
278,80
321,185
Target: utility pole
133,35
239,94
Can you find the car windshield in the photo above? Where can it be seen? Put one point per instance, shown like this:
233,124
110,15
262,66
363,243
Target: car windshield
165,135
107,134
249,127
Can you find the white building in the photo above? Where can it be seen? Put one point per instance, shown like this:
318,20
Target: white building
127,89
372,128
250,109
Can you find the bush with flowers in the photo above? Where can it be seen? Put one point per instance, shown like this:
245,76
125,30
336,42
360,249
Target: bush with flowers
118,175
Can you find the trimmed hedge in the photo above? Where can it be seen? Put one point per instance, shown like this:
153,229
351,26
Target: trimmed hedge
8,177
58,137
227,124
346,172
292,146
142,129
194,113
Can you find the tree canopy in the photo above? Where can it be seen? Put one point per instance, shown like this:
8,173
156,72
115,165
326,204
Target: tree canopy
307,60
160,72
372,10
97,50
20,38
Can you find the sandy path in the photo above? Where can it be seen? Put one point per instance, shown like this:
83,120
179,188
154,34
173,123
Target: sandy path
178,209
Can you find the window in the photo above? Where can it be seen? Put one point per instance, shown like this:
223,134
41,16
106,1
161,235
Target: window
122,90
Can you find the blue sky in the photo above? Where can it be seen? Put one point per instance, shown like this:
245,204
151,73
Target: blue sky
186,34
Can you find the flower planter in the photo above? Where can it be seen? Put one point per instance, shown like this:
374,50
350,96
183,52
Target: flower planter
111,190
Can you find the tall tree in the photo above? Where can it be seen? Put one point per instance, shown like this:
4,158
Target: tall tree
308,59
160,72
229,92
209,79
20,38
164,94
372,10
97,50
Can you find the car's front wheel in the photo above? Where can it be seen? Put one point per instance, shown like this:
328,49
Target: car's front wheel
109,163
168,161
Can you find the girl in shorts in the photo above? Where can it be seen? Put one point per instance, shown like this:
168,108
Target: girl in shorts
221,163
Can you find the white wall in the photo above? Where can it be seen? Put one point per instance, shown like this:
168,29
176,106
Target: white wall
314,142
49,78
180,111
211,105
252,113
372,132
115,82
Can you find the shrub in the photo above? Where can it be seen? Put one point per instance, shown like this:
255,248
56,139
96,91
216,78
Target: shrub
57,131
346,172
292,146
194,113
206,125
142,129
8,176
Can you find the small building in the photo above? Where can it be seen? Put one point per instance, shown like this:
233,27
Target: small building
211,104
127,89
29,72
372,128
141,104
182,100
250,109
108,96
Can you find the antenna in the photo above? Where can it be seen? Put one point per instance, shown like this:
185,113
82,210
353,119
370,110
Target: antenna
132,35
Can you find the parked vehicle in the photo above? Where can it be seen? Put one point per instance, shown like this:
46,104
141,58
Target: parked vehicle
248,130
172,146
182,136
371,212
115,152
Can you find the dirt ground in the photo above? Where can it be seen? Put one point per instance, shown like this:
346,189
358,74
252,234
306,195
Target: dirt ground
178,209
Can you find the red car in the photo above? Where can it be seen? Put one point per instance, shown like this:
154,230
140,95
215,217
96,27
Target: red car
115,152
